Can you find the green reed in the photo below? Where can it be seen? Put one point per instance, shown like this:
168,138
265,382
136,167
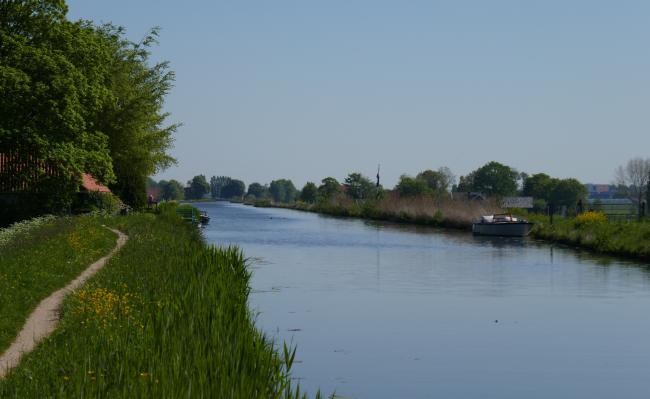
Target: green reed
167,317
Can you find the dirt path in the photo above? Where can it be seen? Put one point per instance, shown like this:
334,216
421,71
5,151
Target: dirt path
44,319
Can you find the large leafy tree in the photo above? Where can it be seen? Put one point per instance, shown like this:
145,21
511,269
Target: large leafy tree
257,190
309,193
491,179
171,190
133,117
81,98
283,190
52,81
411,187
234,189
217,183
438,181
329,188
360,187
198,187
567,192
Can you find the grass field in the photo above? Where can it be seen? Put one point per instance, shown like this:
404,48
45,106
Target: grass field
167,317
39,257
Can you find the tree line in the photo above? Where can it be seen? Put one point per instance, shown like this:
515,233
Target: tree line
490,180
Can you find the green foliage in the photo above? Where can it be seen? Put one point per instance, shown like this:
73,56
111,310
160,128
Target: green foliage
439,181
39,257
198,187
631,239
80,98
168,317
217,183
567,192
283,191
329,188
234,189
558,192
309,193
258,191
171,190
412,187
96,202
360,187
492,179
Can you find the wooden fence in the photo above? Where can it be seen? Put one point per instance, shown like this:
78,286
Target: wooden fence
21,173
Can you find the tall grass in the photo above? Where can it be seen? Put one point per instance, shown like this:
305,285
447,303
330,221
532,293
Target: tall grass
40,256
425,210
167,317
630,239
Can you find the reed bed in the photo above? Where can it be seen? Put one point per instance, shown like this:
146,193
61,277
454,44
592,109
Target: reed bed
40,256
166,318
424,210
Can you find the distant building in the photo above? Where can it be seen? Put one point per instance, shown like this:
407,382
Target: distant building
602,191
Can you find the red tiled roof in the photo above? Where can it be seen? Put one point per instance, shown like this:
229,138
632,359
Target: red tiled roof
90,184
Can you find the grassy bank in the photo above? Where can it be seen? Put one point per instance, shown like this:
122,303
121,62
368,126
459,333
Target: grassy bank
628,239
39,257
423,210
167,317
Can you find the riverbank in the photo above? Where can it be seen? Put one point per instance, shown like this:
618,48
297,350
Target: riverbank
624,239
167,317
425,211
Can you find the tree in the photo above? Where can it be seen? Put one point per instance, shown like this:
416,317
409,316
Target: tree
411,187
132,116
567,192
539,186
257,190
83,98
217,183
234,189
360,187
329,188
439,181
283,190
198,187
51,91
309,193
172,190
635,176
491,179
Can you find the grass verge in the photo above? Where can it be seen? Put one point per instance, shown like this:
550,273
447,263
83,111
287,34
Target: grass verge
40,256
628,239
167,317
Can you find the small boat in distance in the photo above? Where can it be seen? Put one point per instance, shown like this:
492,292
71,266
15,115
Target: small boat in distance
204,218
501,225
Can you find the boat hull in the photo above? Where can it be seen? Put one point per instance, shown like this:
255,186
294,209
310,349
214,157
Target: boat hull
508,229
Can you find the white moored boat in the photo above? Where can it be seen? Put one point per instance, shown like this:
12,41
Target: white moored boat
501,225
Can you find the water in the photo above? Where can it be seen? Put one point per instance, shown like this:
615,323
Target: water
379,310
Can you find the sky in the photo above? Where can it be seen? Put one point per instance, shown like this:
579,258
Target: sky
305,89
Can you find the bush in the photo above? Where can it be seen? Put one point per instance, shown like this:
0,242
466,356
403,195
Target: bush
590,217
96,202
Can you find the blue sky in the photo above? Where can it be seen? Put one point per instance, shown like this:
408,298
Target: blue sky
304,89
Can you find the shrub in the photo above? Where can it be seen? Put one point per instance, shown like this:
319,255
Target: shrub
590,217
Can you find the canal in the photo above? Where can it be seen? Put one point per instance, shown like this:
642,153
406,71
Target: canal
379,310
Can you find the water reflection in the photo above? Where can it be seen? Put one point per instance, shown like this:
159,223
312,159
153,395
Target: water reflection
363,300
